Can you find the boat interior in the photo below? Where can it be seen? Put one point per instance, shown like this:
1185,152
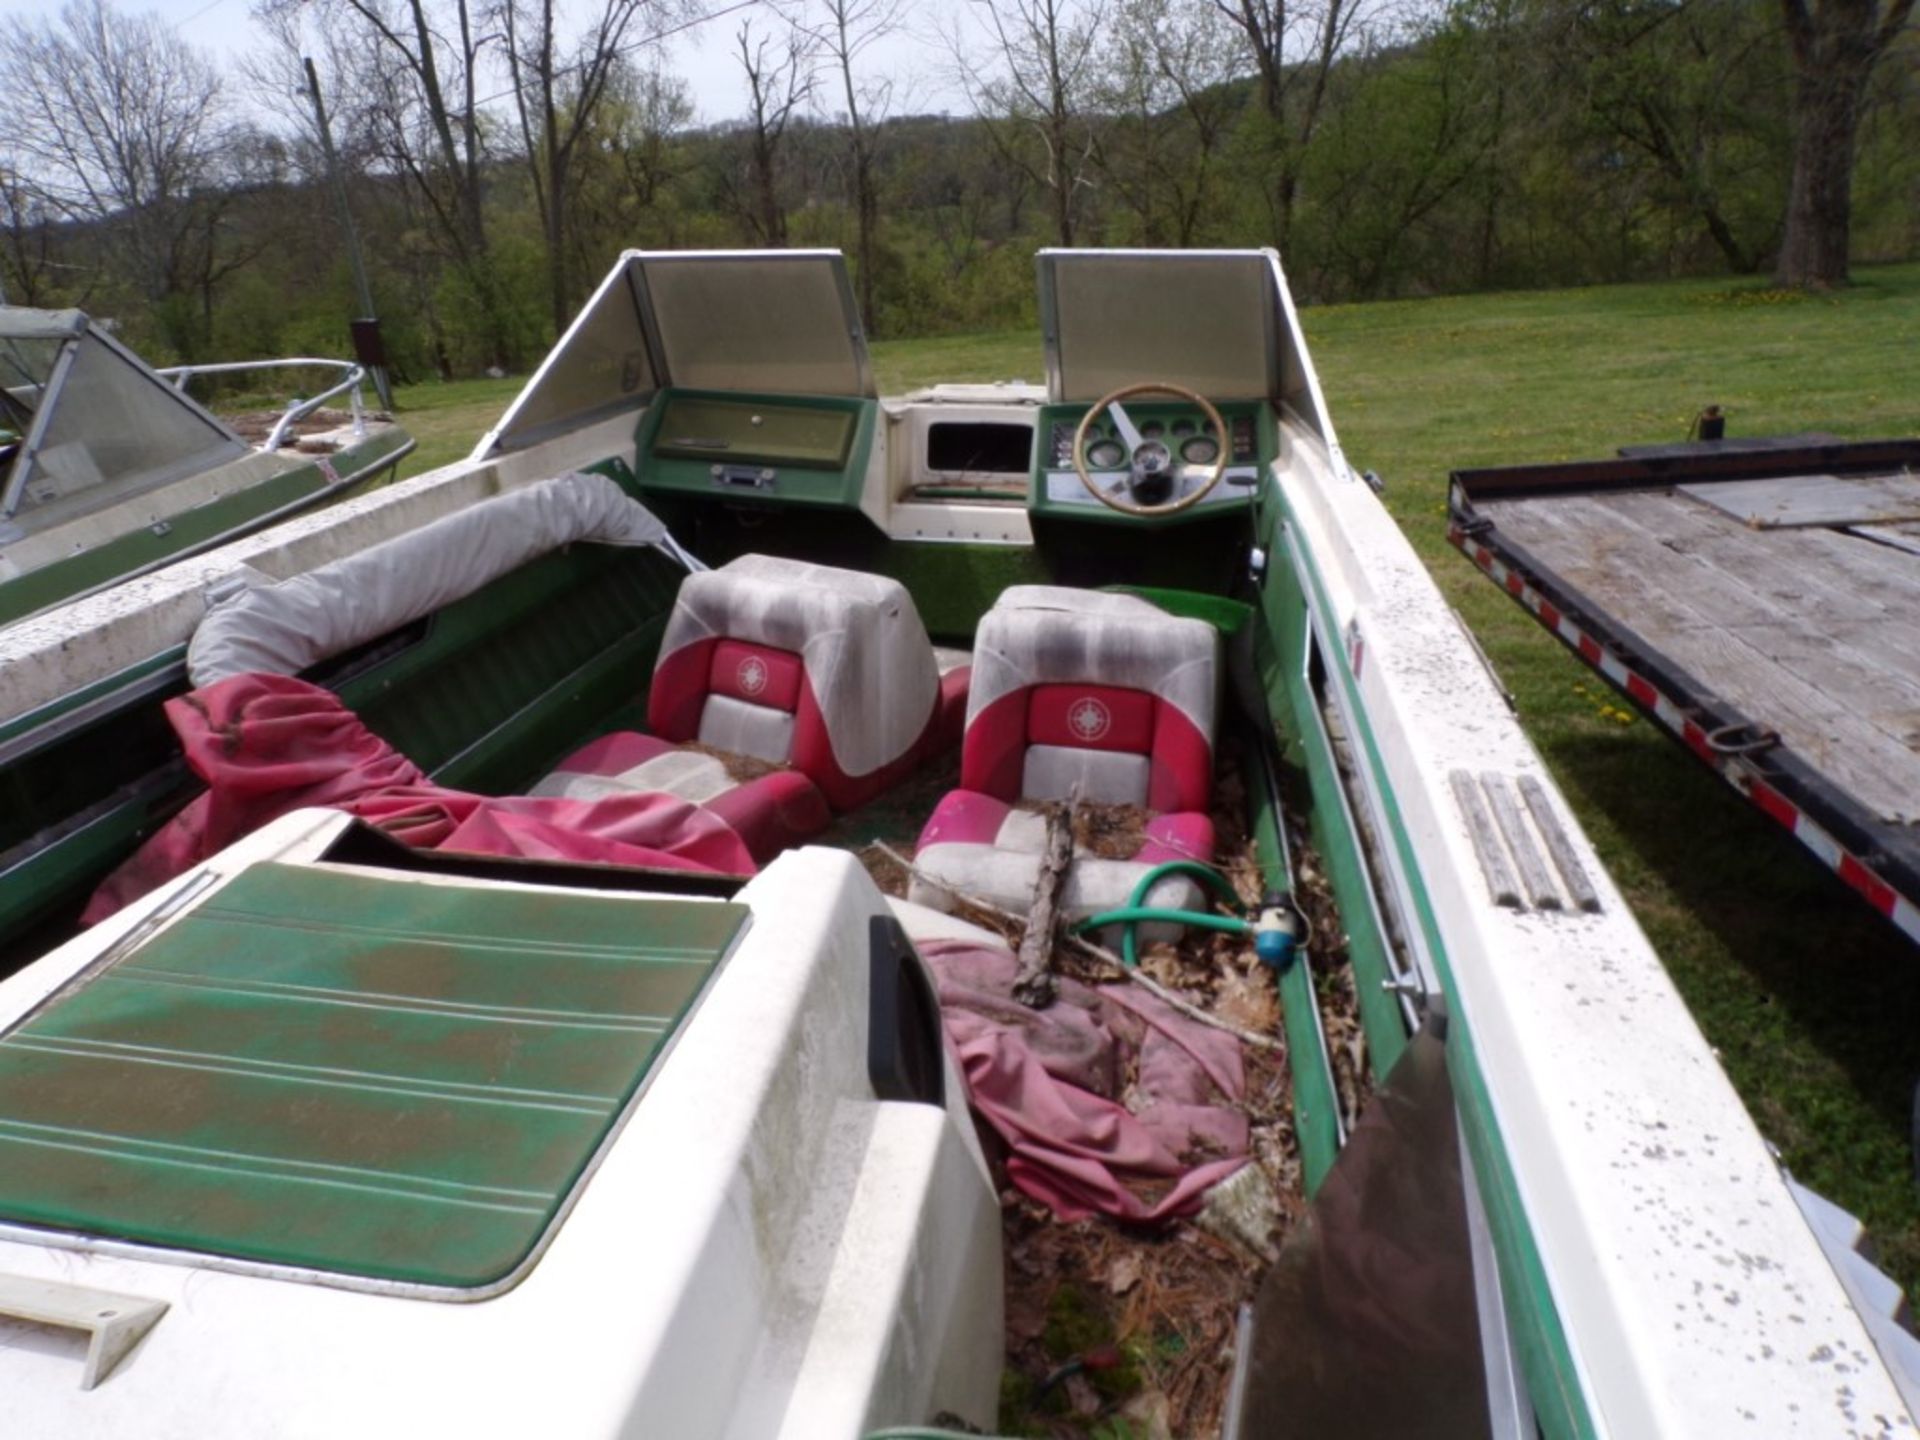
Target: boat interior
914,627
715,622
733,398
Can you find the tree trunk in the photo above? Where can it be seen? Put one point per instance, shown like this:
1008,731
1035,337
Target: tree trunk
1739,259
557,245
868,207
1820,199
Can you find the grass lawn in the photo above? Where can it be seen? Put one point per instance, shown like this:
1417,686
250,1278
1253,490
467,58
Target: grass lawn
1811,1001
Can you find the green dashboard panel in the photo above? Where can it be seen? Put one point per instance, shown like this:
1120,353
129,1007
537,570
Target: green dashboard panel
762,450
1056,492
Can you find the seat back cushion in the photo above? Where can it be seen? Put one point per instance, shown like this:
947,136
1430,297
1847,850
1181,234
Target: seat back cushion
829,670
1091,690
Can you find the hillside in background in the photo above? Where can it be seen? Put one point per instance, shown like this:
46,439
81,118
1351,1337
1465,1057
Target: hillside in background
1386,147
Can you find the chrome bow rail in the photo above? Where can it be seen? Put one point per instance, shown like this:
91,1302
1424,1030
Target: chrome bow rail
352,376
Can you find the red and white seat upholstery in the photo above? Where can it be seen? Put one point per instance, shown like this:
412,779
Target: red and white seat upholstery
1077,689
825,672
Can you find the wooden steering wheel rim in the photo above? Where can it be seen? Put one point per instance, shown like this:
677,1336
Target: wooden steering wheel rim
1149,387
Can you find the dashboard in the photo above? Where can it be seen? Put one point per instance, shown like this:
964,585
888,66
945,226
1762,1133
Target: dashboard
785,450
1192,444
782,451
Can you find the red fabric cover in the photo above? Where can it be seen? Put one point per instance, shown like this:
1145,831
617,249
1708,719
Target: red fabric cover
966,817
774,812
994,749
769,813
683,679
1054,1085
813,751
1181,777
270,744
679,691
1180,835
758,674
1090,717
950,717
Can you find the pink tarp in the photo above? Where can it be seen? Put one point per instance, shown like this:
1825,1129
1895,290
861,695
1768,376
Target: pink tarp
1109,1101
270,744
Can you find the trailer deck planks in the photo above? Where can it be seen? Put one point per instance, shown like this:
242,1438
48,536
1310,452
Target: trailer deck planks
1762,604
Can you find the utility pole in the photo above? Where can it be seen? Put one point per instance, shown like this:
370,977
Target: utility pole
366,330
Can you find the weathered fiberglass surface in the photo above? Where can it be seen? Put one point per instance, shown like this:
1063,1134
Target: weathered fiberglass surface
348,1072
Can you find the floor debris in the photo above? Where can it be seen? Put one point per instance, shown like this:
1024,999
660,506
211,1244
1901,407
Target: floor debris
1160,1303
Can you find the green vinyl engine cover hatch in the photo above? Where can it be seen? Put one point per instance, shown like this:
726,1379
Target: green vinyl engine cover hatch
382,1077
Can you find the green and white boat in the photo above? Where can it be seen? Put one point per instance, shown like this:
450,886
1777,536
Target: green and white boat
109,469
325,1134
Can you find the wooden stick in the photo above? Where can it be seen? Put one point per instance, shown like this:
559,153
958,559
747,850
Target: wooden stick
1097,952
1034,986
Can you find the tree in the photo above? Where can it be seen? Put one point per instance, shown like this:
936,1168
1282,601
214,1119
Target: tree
626,168
122,124
1684,94
1406,132
557,98
1170,99
779,82
405,80
1835,45
26,240
1036,100
1291,92
845,30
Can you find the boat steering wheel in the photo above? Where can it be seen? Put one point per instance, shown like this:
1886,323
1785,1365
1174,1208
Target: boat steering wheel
1151,467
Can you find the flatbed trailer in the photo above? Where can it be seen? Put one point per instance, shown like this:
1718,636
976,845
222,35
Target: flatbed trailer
1759,600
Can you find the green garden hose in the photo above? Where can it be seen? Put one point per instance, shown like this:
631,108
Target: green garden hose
1135,910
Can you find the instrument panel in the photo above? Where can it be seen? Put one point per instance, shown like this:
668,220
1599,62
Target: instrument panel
1190,441
1189,435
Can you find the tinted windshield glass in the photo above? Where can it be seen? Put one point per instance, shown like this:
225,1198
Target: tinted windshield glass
114,423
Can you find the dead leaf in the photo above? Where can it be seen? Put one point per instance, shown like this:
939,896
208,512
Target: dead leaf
1124,1273
1248,1001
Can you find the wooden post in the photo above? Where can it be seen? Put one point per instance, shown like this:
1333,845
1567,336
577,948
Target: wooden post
1034,985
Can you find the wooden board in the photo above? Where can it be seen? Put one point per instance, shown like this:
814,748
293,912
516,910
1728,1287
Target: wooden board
1798,500
1902,535
1813,632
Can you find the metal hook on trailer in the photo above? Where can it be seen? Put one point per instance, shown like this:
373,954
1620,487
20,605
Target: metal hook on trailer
1742,737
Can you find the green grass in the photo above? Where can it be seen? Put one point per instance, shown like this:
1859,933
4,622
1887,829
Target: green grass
448,418
1810,1000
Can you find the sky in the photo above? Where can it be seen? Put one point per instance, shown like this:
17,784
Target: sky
702,56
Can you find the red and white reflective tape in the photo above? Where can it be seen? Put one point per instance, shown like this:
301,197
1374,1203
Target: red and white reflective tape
1902,910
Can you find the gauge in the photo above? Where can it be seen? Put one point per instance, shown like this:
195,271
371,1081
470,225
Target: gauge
1183,427
1200,450
1152,430
1106,455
